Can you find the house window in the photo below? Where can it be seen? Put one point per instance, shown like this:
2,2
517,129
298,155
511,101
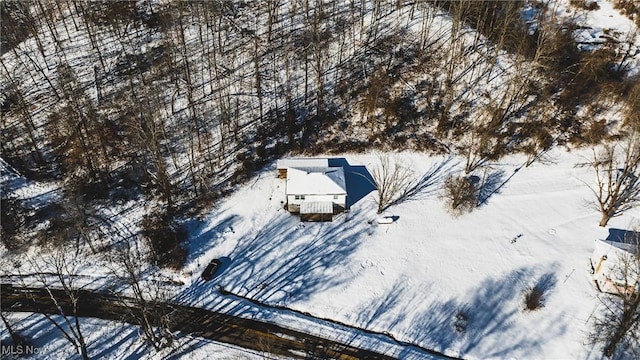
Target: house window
335,197
299,197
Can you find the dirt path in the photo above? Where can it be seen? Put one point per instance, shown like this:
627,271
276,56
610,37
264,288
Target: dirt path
246,333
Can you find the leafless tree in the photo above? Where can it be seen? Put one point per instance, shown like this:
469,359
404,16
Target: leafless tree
632,113
76,127
26,122
617,170
65,267
146,133
391,177
128,264
620,321
397,182
14,217
371,101
460,194
490,134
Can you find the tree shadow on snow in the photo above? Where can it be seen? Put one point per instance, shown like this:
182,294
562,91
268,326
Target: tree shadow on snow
286,260
426,184
491,185
486,324
108,345
374,314
302,271
201,239
547,282
186,345
492,311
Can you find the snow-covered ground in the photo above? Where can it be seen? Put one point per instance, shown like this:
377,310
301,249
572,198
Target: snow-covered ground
602,25
412,277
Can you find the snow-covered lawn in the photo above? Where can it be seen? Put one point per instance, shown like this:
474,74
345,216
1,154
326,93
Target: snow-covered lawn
412,277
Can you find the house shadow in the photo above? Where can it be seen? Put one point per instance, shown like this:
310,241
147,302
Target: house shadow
358,180
624,236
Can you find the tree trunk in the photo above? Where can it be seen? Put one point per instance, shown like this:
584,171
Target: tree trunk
605,219
610,349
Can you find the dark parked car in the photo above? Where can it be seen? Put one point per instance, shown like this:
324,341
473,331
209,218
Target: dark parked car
211,269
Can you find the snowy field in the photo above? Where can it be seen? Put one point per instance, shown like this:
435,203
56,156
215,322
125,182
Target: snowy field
412,277
536,227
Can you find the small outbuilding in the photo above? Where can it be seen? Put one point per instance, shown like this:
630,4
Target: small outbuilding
313,189
615,264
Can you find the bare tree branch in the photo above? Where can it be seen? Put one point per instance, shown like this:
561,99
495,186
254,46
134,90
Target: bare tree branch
617,169
65,265
398,183
620,321
154,322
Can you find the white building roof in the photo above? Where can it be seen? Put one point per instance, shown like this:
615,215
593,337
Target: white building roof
609,258
302,162
316,181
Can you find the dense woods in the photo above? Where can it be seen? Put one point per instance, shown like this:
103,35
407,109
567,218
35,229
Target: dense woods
177,101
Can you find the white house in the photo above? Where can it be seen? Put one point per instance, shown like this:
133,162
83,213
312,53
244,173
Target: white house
313,188
614,263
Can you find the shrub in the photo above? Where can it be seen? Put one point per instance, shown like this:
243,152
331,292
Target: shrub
585,4
632,98
533,298
60,230
461,321
631,8
166,238
13,218
596,132
461,194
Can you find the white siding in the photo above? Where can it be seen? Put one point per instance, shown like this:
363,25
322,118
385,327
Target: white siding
291,199
341,200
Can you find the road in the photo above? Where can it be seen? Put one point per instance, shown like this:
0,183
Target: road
242,332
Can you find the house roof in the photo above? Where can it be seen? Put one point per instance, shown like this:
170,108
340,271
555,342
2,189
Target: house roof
609,257
617,244
316,181
302,162
611,254
624,239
